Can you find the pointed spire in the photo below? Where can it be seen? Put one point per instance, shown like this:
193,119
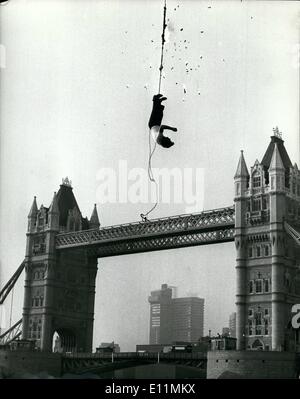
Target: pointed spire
241,170
33,209
94,220
276,161
54,206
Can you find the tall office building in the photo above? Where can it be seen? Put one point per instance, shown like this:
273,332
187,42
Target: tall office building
175,319
160,315
188,318
232,325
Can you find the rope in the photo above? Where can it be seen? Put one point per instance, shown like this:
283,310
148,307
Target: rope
151,178
162,46
151,152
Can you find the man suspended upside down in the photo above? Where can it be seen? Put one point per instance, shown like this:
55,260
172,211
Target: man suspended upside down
155,122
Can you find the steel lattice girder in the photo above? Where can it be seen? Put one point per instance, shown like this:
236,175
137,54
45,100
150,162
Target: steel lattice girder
12,333
160,243
178,231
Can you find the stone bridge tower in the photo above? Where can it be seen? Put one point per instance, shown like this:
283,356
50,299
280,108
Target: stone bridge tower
59,285
268,259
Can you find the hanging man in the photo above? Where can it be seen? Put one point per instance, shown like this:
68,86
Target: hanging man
155,121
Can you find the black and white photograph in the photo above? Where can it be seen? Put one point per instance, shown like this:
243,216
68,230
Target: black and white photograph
149,192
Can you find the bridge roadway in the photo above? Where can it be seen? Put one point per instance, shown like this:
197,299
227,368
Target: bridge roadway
79,363
207,227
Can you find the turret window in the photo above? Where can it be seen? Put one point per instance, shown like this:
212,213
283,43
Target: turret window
250,288
256,205
258,286
258,319
267,250
266,312
258,251
258,331
256,181
267,286
250,252
265,203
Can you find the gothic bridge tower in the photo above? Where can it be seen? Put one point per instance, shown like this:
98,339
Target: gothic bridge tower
268,259
59,285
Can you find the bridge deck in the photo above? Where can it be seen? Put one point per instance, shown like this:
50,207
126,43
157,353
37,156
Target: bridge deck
208,227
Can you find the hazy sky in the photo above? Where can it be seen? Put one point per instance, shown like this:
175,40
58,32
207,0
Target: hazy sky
76,92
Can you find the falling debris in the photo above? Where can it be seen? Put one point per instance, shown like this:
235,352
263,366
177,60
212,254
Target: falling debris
181,29
209,7
202,31
127,86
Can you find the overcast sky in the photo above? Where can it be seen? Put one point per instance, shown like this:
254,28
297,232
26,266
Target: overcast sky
77,80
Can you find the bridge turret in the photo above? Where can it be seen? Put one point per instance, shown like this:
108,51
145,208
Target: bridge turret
277,172
32,216
94,220
53,214
241,182
241,177
59,285
277,213
266,257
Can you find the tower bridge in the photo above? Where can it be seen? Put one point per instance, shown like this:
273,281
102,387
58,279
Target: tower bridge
63,248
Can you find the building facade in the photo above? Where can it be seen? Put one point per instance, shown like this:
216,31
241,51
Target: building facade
268,259
175,319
